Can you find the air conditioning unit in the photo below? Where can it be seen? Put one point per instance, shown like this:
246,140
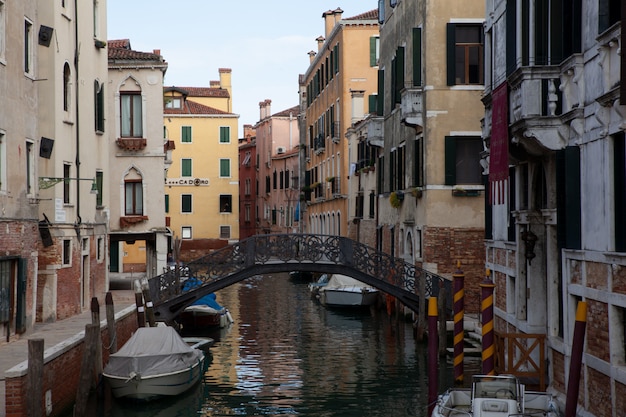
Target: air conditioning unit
280,149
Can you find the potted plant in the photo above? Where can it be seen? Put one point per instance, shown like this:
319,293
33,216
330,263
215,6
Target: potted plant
395,199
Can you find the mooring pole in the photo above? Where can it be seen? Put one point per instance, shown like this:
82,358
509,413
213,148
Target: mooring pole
110,312
575,365
487,325
458,280
433,381
141,315
34,377
145,287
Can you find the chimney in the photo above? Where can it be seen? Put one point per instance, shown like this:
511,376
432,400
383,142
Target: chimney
214,84
320,43
358,102
226,83
156,52
312,56
265,107
329,22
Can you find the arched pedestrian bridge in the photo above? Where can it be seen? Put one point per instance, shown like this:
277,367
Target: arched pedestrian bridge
264,254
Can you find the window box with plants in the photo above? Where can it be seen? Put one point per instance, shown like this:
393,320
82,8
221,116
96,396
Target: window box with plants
462,192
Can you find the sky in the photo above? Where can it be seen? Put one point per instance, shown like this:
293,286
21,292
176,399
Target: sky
264,43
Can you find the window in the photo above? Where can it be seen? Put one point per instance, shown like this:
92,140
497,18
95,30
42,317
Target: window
67,252
247,185
186,232
226,203
167,203
372,204
96,13
417,56
30,168
224,134
131,115
619,186
358,207
381,11
247,213
186,203
185,167
609,13
28,47
99,105
224,232
374,50
66,184
173,103
3,161
185,134
224,168
397,76
99,186
246,159
67,74
133,197
100,249
465,54
3,26
462,157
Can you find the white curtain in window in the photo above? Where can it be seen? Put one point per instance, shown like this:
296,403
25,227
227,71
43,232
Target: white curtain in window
125,116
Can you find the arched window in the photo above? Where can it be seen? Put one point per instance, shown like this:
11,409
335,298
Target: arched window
133,194
66,86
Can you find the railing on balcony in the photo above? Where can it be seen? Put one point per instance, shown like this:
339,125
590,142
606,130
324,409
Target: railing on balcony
335,132
411,107
319,144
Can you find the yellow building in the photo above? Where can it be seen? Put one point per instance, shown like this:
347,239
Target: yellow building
341,65
201,186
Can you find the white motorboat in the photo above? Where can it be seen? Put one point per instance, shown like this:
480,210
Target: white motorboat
344,291
154,362
495,396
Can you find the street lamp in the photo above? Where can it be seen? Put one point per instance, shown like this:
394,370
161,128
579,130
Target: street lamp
48,182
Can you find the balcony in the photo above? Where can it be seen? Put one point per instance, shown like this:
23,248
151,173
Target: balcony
319,144
335,132
375,135
411,107
536,105
131,144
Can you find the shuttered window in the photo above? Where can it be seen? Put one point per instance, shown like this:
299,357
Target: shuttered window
417,57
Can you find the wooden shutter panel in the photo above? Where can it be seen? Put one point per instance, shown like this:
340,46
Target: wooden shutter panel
511,39
417,56
372,101
399,74
380,107
450,160
372,51
451,53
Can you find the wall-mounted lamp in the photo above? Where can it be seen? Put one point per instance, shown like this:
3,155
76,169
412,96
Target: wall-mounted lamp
49,182
529,239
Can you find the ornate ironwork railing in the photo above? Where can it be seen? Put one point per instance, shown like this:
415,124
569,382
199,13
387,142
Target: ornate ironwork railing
301,252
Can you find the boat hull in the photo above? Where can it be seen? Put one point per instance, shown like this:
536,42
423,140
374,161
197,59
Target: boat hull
151,387
348,297
199,320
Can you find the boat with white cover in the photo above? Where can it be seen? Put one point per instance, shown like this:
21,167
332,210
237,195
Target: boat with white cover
345,291
154,362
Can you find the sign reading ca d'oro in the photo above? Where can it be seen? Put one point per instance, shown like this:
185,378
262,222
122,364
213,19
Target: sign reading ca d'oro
187,181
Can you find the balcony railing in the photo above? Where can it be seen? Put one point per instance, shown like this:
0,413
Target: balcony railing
411,107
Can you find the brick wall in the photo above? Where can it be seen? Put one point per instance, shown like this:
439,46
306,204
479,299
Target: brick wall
599,392
598,330
61,374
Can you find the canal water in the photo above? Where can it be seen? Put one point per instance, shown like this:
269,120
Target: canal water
286,355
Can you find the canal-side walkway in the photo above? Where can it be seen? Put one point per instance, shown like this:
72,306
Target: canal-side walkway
16,352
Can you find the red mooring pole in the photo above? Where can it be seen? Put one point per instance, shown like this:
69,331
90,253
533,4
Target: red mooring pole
575,365
487,288
433,355
458,280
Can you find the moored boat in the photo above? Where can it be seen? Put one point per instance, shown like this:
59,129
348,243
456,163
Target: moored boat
205,313
495,396
344,291
154,362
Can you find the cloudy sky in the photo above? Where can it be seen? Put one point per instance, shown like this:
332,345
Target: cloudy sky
265,43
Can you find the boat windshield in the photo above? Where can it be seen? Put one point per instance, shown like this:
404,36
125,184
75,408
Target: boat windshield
495,387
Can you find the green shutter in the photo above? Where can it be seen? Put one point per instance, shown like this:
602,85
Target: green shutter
511,37
20,313
167,203
99,186
336,49
451,53
373,40
186,134
186,203
224,168
186,168
380,107
450,155
372,101
417,56
114,256
224,134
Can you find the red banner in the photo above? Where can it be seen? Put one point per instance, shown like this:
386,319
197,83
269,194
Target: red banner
499,146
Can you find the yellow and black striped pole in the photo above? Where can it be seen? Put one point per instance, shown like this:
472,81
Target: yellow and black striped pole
433,380
575,365
458,281
486,307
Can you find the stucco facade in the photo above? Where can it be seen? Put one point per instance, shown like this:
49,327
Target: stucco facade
340,64
277,147
202,184
71,71
137,162
554,225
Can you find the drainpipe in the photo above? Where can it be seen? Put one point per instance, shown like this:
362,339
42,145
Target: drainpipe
77,160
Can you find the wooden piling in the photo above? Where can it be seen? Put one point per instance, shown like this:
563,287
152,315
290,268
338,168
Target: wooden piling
111,328
95,320
86,369
34,378
141,315
145,289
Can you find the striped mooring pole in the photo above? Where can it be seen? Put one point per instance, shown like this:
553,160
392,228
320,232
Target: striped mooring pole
433,340
575,365
458,281
486,307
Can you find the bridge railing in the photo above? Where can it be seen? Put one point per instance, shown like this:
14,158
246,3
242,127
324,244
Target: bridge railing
299,249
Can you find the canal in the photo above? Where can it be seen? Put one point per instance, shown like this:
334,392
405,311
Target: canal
286,355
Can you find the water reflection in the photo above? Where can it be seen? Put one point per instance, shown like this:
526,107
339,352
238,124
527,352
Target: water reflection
286,355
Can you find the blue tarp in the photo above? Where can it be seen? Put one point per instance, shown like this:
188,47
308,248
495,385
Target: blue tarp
208,300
